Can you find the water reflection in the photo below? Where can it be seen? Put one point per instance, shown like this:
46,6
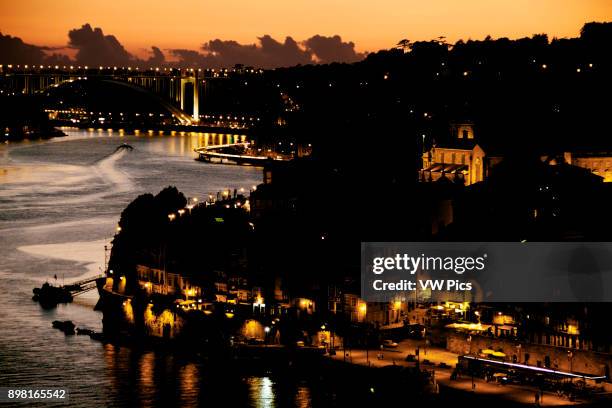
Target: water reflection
302,397
146,378
262,394
146,369
188,382
182,143
279,391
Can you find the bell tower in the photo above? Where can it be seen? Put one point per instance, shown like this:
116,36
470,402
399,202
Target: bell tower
463,131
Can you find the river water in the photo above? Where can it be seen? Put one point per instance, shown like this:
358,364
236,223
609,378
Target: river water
60,201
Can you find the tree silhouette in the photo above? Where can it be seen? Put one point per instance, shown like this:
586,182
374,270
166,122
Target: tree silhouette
404,45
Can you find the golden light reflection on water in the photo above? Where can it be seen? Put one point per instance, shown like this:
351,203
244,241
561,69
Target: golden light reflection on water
146,378
147,371
264,393
261,392
151,378
302,397
188,377
114,364
179,143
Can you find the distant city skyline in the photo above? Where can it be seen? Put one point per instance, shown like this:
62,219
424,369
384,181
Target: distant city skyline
371,25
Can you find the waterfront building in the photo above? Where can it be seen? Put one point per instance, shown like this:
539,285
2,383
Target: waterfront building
158,281
164,304
356,310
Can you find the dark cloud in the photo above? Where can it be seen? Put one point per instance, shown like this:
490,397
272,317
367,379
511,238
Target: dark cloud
14,51
286,54
332,49
93,48
270,53
57,59
189,58
157,57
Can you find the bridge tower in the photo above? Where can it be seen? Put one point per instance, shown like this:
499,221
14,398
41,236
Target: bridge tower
196,94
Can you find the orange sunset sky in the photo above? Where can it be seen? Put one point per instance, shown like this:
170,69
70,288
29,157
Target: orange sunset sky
371,25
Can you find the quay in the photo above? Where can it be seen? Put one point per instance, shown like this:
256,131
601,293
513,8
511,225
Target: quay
441,364
213,154
156,127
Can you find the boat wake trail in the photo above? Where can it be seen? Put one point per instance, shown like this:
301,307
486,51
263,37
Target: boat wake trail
107,170
38,185
105,178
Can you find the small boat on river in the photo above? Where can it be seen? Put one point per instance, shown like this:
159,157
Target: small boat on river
125,146
49,295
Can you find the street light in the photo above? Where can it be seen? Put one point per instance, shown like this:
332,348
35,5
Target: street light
266,330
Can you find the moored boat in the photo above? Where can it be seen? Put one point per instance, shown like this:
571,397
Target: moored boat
49,295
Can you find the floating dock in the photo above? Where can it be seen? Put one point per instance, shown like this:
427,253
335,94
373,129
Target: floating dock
213,154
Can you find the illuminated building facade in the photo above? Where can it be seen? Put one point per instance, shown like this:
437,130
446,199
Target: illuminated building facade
599,163
459,159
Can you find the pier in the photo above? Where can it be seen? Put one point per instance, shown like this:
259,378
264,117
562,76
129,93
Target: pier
82,286
214,154
49,295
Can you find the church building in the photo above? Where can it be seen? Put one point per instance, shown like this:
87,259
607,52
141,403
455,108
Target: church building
459,158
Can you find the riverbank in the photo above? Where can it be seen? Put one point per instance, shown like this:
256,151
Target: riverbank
156,127
19,132
381,372
23,118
